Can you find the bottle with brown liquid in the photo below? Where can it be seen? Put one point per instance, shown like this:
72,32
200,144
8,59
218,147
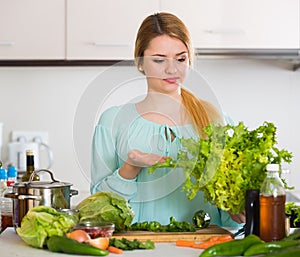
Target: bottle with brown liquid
30,167
272,206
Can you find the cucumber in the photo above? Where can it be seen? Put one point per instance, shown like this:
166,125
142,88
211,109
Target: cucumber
68,245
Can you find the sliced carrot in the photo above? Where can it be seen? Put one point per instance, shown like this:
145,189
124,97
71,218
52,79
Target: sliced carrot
204,245
184,243
212,241
225,238
115,250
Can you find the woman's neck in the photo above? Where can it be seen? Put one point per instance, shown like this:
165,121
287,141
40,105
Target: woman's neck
162,108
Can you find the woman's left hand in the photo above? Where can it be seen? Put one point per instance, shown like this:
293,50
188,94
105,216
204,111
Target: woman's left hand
239,218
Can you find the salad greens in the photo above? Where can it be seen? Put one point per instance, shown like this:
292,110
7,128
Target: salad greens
108,207
293,211
228,161
42,222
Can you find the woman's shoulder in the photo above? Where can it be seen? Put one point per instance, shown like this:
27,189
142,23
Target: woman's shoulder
114,112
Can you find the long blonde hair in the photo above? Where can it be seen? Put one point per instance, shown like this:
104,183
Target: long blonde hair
200,111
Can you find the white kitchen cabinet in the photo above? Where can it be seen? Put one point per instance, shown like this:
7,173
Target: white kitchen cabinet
32,29
255,24
101,29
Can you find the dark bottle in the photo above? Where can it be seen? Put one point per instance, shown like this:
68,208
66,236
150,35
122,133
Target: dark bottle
30,167
252,212
272,206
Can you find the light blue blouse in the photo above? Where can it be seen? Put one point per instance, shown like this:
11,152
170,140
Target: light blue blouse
153,197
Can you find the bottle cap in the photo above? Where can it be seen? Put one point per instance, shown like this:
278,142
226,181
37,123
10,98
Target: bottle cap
29,152
273,167
3,173
12,172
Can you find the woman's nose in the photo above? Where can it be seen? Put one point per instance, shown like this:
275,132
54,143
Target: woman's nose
171,67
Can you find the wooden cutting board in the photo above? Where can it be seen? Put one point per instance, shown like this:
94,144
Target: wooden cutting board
167,237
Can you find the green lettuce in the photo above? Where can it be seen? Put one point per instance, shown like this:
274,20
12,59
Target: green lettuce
42,222
227,162
106,207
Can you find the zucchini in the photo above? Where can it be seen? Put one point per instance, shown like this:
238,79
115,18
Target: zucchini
71,246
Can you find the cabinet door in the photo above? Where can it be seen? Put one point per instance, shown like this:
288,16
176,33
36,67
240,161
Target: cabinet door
239,24
32,29
101,29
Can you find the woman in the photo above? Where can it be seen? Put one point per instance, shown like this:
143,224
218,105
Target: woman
134,136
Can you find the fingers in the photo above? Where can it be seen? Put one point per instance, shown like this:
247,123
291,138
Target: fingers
140,159
239,218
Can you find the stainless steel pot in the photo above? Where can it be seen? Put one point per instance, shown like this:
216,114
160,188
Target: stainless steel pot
27,195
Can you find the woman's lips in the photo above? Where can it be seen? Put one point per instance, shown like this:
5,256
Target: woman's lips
171,80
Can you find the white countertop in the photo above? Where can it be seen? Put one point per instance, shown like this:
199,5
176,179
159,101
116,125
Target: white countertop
11,245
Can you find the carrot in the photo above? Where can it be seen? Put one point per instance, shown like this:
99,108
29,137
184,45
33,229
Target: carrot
115,250
225,238
213,241
204,245
184,243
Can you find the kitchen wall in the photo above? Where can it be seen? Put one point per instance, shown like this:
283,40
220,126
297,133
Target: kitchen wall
47,98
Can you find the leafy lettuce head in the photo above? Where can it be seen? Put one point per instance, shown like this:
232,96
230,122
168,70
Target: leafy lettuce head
106,207
42,222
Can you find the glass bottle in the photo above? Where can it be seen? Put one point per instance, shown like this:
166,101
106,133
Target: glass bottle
272,206
12,175
252,212
30,167
7,203
3,180
3,187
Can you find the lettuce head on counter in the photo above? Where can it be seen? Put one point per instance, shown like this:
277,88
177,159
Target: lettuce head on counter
42,222
106,207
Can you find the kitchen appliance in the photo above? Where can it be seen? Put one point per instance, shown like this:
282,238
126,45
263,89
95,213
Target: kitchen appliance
17,154
27,195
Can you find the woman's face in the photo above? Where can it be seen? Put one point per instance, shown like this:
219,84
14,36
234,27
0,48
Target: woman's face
165,62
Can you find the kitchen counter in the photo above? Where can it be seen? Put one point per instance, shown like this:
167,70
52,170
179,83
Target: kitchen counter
11,245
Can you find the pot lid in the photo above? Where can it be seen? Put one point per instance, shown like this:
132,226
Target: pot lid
42,184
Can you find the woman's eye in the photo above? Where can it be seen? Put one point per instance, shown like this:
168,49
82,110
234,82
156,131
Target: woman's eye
181,59
158,60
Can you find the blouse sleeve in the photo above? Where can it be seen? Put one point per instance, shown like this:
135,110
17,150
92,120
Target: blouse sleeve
104,164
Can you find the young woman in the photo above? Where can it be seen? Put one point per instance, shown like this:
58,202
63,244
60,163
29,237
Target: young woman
131,137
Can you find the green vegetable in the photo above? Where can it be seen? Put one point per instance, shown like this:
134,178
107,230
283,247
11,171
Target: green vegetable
227,162
129,245
201,219
293,211
42,222
173,226
232,248
106,206
287,252
269,247
154,226
68,245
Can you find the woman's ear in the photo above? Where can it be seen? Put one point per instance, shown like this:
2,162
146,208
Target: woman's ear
140,68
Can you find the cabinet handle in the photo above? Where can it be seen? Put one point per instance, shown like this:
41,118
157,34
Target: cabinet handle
111,44
7,43
225,31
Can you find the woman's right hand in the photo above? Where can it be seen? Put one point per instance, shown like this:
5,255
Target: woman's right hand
137,160
140,159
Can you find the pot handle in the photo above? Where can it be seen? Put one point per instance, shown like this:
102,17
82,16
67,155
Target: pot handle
73,192
38,171
22,197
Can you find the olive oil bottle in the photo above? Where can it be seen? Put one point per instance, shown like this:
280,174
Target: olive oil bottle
272,206
30,167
